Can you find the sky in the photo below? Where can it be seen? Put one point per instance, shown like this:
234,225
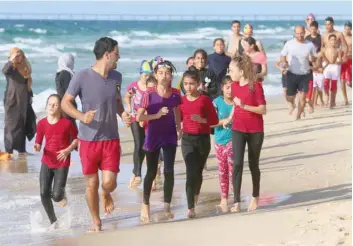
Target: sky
225,8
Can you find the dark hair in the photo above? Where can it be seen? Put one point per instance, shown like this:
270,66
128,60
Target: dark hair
194,75
348,23
314,24
187,60
244,63
226,80
252,41
103,45
330,19
218,39
193,68
202,52
235,22
151,79
332,36
166,63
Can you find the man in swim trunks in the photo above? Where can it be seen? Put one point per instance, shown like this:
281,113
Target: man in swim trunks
346,69
99,90
332,57
232,43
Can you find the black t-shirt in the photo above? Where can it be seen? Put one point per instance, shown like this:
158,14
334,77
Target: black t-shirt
316,41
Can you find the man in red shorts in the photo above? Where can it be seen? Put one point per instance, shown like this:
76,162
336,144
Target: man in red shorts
346,69
99,90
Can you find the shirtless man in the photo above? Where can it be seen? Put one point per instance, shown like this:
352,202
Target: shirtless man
233,40
329,22
332,57
346,70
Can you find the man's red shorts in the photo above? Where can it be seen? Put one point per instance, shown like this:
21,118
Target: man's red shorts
104,155
309,94
346,71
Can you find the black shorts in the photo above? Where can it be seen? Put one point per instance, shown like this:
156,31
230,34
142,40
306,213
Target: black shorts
297,82
284,81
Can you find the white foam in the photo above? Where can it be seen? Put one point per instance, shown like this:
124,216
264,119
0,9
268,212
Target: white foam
38,30
2,29
28,40
19,25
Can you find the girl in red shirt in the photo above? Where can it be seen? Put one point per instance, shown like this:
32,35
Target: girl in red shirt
58,133
247,125
198,116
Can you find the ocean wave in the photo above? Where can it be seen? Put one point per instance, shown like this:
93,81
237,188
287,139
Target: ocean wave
38,30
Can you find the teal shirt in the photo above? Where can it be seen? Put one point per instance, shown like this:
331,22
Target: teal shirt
222,135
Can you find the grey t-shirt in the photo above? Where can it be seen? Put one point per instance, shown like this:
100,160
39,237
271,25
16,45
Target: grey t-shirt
99,94
298,55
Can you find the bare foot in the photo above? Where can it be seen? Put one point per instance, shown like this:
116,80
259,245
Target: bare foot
167,211
135,181
108,203
145,213
63,202
310,110
235,208
346,103
23,153
191,213
95,228
4,156
291,108
254,203
223,206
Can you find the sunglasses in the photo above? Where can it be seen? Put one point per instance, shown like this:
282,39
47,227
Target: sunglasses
163,65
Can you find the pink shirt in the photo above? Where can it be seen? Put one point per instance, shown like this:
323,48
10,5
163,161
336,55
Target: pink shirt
136,98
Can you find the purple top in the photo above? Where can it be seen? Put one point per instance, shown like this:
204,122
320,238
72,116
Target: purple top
160,132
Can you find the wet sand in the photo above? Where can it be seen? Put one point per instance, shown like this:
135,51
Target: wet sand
305,194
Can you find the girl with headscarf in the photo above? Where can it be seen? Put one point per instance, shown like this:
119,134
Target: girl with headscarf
16,100
63,76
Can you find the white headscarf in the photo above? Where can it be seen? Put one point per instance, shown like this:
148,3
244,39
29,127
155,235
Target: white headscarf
66,62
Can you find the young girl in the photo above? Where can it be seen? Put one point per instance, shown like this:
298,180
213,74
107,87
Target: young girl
163,116
223,141
247,125
258,58
198,115
58,132
133,98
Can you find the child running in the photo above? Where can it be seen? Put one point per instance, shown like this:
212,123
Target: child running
163,131
198,115
58,132
247,125
133,98
223,142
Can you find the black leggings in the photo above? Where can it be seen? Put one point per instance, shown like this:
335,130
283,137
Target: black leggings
195,149
254,141
152,166
57,193
138,134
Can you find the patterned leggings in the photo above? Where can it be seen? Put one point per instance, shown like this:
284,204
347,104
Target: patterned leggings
225,158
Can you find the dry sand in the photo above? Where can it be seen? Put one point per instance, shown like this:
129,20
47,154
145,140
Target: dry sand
305,187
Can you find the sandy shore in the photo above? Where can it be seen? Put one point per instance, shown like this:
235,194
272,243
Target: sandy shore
305,192
305,187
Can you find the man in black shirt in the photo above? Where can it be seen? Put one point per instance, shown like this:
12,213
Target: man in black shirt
314,36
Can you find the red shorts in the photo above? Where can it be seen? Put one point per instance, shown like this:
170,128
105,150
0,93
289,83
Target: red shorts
346,71
104,155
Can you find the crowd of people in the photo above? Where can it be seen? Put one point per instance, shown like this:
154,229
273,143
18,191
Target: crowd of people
220,94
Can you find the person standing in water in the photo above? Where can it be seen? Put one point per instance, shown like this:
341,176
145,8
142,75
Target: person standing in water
247,126
198,116
63,77
133,99
99,144
16,101
223,142
163,130
58,133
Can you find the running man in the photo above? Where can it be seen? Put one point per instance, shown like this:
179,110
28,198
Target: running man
232,43
295,58
99,145
329,22
346,70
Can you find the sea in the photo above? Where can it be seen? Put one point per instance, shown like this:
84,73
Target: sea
43,41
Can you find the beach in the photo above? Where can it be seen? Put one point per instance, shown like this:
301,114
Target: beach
305,196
